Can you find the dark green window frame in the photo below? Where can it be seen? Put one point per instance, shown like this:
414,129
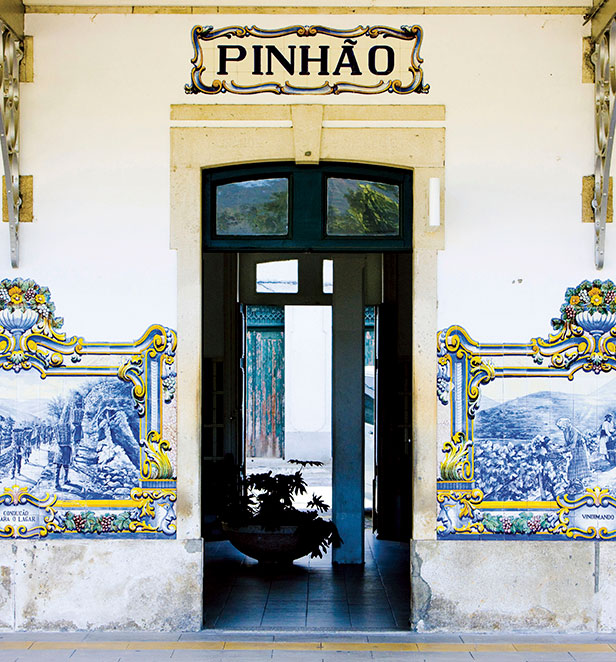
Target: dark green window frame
307,208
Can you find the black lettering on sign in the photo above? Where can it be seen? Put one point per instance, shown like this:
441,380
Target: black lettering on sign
289,64
306,59
347,59
256,51
224,57
323,59
389,60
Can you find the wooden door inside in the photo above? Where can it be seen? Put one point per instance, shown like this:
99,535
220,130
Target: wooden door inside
392,489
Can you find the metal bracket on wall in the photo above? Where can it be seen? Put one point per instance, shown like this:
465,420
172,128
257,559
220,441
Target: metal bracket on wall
604,58
12,53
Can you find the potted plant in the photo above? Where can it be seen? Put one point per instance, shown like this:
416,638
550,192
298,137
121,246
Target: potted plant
264,524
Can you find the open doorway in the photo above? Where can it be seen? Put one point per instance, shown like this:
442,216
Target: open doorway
288,394
274,359
286,377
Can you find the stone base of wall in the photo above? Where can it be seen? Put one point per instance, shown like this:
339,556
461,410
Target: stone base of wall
524,585
101,585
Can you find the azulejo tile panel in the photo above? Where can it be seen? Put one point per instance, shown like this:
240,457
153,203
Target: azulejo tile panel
527,431
87,434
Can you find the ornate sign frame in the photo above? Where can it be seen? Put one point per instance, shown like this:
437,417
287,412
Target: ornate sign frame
30,342
584,343
349,36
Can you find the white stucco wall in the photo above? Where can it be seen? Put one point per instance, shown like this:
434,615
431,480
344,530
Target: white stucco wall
520,133
95,135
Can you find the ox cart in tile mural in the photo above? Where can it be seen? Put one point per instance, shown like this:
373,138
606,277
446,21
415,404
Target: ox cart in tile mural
527,431
87,430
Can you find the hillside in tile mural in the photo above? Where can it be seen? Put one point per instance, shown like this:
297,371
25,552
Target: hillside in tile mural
87,429
527,431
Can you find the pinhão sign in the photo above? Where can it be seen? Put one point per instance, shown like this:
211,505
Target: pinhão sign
306,60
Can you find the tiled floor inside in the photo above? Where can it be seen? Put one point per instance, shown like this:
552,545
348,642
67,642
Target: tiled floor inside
312,593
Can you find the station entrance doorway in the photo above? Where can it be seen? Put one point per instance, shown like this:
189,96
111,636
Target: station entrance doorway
247,363
355,277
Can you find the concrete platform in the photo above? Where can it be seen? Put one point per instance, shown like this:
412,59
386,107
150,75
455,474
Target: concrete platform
219,645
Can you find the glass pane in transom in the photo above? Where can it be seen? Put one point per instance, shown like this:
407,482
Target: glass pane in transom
362,207
253,207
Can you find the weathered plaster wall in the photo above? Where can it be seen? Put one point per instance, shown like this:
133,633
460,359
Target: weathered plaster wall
509,585
605,584
79,585
462,585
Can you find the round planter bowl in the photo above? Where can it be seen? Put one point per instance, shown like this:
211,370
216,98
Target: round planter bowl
18,321
283,545
596,323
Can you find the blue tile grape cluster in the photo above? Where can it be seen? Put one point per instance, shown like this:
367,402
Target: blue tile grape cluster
534,523
79,522
106,522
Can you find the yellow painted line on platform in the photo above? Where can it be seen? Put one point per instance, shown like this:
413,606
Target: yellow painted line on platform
176,645
272,645
342,646
123,645
15,645
346,646
71,645
200,645
426,647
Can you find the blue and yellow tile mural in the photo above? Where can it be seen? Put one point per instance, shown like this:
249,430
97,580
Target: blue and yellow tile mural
527,432
87,429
